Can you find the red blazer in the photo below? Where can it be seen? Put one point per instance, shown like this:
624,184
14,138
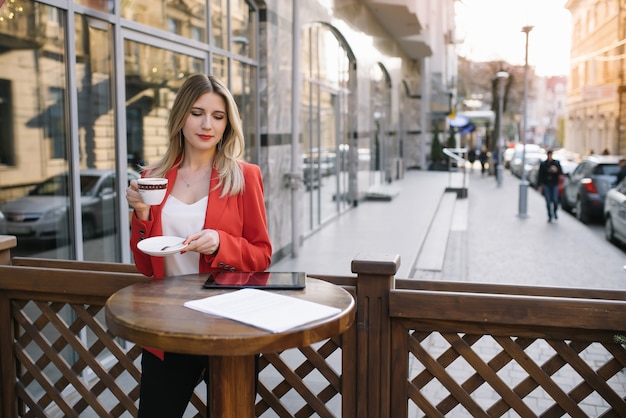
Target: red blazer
240,221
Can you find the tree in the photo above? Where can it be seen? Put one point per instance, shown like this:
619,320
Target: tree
437,157
452,138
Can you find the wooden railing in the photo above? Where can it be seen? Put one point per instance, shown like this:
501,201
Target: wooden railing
418,348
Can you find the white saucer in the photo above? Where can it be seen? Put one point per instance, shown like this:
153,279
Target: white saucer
152,246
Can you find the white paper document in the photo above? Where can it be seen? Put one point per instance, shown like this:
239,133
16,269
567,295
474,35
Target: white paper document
270,311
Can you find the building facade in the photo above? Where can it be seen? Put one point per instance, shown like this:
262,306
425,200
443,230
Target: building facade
336,97
596,104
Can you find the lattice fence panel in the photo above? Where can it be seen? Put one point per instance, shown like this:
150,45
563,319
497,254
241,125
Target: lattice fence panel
467,375
301,382
69,365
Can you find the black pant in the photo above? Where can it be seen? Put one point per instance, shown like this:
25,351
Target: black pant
167,386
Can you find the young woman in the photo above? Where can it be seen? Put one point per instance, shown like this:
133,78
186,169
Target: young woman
215,201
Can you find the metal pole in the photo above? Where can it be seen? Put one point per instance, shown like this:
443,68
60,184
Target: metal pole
501,76
523,185
295,130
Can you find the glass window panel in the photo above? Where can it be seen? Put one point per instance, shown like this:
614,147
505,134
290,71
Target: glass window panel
219,68
101,5
325,125
327,158
307,54
385,147
33,88
243,26
311,155
315,52
96,135
219,23
188,18
153,76
242,88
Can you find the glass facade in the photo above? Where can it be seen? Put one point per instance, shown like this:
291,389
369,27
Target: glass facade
76,123
86,87
324,148
385,147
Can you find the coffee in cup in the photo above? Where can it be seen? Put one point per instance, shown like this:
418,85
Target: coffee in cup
152,189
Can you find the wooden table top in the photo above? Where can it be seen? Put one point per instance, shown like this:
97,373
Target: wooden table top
152,314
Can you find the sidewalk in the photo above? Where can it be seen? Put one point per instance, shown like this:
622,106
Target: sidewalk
398,226
483,238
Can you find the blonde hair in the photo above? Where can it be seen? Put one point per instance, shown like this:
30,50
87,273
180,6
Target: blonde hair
230,148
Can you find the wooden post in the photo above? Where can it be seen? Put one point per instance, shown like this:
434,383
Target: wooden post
8,404
375,280
6,243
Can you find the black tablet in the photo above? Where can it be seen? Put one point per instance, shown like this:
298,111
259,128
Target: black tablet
258,280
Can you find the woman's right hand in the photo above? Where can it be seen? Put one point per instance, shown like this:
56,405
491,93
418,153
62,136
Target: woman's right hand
134,200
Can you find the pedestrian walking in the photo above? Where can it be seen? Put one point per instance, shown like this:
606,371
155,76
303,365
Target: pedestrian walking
495,162
550,172
471,157
483,157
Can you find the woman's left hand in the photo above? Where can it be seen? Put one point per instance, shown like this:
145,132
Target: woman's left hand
206,241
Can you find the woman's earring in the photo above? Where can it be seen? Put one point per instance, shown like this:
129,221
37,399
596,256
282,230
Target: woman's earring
181,139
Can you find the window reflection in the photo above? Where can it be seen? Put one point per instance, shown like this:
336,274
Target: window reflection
243,83
243,26
385,149
35,99
153,76
325,139
96,136
219,23
33,46
101,5
186,18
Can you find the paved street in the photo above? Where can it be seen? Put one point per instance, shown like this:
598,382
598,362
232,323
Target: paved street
487,240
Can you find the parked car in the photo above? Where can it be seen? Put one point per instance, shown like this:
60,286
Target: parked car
3,224
515,160
586,187
43,213
508,156
530,159
615,213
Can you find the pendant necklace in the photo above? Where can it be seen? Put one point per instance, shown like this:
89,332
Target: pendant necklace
189,184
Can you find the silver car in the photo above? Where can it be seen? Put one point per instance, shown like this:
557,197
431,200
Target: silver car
615,213
3,224
43,214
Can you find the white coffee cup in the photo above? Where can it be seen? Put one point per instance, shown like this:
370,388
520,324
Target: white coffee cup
152,189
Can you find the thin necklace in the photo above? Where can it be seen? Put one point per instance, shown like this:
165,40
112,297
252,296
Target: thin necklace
189,184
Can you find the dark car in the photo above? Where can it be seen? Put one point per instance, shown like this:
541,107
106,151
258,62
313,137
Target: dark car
586,187
43,213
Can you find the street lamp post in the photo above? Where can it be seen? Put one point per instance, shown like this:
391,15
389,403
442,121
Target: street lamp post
501,77
523,185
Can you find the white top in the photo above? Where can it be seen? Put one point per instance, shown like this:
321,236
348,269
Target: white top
180,219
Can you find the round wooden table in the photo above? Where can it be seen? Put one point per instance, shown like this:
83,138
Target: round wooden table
152,314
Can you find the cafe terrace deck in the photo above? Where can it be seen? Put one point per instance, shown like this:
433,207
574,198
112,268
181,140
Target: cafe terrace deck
417,348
